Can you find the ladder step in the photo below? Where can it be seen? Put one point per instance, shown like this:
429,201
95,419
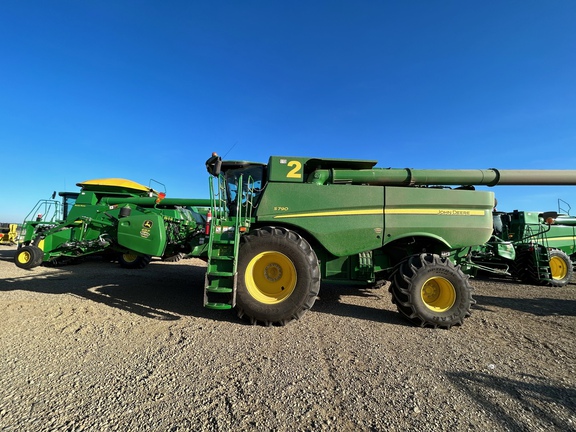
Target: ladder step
219,290
218,306
223,242
221,273
222,258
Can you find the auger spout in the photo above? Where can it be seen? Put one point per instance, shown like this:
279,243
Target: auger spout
422,177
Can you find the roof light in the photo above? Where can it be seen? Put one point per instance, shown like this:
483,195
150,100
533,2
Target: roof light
161,196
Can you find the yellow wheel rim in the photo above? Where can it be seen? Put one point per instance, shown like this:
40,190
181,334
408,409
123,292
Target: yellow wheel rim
438,294
129,258
270,277
558,268
24,257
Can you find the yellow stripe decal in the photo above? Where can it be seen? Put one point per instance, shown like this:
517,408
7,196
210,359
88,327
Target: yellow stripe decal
561,238
442,212
331,213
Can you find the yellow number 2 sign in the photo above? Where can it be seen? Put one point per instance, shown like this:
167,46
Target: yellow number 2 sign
296,171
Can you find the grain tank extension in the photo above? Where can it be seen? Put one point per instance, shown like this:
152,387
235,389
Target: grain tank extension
279,229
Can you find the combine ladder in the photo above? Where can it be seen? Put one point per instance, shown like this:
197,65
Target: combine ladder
223,244
539,252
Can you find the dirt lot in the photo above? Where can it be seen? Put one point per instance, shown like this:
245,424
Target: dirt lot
97,347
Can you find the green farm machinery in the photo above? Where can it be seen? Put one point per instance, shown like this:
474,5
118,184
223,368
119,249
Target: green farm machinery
278,229
115,217
272,232
533,247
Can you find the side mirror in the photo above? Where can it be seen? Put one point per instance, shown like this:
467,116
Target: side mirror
214,164
549,217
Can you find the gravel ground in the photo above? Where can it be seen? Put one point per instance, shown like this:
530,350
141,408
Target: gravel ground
97,347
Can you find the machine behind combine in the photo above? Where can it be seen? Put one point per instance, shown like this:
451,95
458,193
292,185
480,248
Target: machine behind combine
533,247
110,216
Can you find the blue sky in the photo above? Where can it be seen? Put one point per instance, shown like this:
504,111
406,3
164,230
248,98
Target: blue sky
148,89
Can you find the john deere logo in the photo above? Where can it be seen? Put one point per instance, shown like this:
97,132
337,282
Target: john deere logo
147,224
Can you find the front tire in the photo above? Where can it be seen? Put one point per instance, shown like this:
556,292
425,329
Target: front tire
28,257
278,276
561,268
431,291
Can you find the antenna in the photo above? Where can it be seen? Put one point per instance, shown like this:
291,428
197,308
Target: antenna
157,182
562,209
234,145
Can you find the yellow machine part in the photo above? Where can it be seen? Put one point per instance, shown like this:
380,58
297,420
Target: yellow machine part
116,182
11,236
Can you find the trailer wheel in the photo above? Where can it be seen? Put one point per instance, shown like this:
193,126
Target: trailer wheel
561,268
28,257
133,261
431,291
278,276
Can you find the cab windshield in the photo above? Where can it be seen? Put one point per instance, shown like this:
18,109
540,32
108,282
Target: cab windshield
246,181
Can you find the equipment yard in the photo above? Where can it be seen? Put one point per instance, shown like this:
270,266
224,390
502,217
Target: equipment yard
94,346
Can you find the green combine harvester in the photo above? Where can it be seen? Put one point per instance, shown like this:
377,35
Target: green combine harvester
279,229
274,231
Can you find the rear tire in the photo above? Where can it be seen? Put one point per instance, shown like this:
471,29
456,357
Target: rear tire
278,276
431,291
28,257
